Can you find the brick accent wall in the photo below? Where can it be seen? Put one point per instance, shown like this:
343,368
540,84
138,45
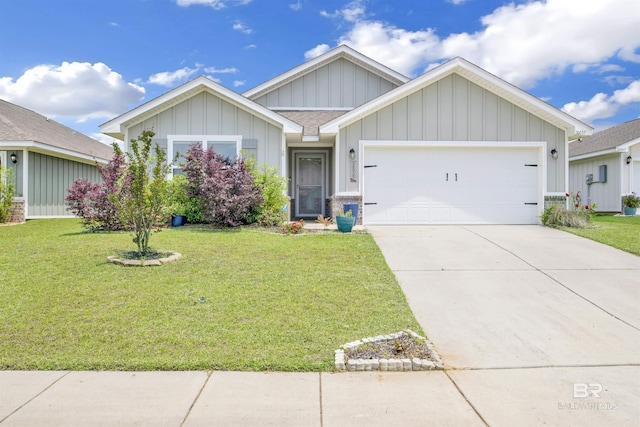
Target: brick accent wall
17,211
555,200
336,204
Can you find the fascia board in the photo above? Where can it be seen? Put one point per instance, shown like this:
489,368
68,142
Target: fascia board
593,154
39,147
628,144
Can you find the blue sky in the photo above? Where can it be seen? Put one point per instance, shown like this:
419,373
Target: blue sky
83,62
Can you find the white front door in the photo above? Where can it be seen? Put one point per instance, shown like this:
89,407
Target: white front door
310,184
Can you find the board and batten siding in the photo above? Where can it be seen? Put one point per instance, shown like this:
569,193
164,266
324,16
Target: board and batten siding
454,109
607,196
49,178
339,84
207,114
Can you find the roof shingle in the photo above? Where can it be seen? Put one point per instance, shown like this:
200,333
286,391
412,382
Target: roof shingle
20,124
606,139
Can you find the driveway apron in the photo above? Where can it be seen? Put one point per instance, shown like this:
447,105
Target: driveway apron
530,321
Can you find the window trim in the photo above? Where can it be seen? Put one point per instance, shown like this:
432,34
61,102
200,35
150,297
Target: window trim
203,139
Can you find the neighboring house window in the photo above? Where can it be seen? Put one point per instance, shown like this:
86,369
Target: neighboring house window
177,145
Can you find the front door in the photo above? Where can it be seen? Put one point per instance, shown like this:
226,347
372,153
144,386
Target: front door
310,184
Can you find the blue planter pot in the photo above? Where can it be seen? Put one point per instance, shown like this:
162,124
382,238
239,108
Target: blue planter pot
178,220
353,207
344,223
630,211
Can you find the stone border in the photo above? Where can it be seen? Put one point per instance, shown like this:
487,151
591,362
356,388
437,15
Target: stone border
398,365
144,263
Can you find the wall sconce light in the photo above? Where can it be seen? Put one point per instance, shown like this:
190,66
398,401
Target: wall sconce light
352,154
14,158
554,154
629,158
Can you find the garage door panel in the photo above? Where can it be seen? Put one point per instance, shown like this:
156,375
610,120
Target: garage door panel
451,185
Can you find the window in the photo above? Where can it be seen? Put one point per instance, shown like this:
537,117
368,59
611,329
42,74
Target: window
177,146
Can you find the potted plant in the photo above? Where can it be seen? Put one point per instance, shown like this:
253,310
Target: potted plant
344,221
631,202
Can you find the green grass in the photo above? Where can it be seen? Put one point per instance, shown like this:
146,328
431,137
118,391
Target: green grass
273,302
621,232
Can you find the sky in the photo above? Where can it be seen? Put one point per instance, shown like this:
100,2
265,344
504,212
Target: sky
83,62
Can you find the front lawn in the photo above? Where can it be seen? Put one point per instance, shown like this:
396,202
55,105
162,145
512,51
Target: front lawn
622,232
238,299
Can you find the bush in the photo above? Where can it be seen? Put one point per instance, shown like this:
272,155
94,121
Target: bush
92,201
177,197
225,191
7,191
270,212
577,216
631,201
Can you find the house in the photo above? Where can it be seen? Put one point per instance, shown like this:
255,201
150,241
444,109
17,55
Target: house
456,145
606,166
46,158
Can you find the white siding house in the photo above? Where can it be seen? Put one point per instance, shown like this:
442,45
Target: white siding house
456,145
606,166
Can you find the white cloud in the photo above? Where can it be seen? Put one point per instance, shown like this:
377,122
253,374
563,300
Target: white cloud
601,105
215,4
457,2
242,27
238,83
77,90
228,70
352,12
170,78
296,6
316,51
250,46
520,43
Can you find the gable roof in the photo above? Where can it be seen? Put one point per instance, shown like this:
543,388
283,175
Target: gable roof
116,126
474,74
342,51
20,127
624,134
311,120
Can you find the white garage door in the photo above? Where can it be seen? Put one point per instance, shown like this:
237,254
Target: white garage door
451,185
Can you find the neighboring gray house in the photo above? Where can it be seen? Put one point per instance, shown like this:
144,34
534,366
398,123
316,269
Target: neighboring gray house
456,145
46,157
610,159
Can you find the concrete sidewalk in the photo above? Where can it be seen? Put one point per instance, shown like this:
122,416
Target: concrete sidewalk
231,399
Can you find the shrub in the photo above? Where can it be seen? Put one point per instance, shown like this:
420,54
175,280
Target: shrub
294,227
92,201
631,201
140,198
271,211
577,216
177,197
7,191
225,191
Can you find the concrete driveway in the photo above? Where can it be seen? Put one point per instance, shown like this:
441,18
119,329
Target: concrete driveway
534,325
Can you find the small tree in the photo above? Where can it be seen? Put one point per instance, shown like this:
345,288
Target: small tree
7,191
140,198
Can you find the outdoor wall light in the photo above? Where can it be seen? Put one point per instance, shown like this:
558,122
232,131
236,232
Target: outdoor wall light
554,154
14,158
629,158
352,154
